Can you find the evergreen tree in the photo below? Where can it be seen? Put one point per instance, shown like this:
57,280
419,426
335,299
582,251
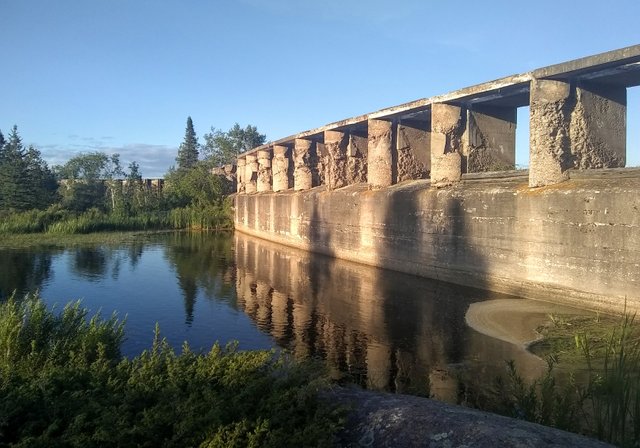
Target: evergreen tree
41,179
188,151
15,192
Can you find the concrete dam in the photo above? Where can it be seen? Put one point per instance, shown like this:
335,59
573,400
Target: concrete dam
430,187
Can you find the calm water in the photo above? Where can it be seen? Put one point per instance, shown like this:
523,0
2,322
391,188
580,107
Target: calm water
384,330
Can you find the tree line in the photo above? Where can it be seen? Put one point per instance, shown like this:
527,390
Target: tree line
97,182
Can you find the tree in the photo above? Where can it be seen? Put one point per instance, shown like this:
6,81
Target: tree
188,151
222,148
88,177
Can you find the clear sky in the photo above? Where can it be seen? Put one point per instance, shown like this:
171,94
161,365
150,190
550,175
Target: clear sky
123,75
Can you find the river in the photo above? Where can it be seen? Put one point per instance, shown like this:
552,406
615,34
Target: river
381,329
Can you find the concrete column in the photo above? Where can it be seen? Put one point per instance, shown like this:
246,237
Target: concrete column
491,139
357,158
599,126
230,175
240,171
447,130
264,170
336,143
303,162
251,173
280,168
380,170
549,133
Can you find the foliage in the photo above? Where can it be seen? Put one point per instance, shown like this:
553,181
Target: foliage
221,148
25,179
196,187
63,383
607,406
188,151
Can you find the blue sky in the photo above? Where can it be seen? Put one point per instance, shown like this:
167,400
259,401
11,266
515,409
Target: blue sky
123,75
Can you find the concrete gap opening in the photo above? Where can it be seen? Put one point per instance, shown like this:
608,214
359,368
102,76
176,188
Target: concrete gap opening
522,137
633,126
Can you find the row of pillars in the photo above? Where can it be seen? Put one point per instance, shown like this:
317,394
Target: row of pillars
572,125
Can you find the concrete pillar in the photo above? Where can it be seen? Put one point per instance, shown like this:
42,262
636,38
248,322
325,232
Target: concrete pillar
357,158
491,139
240,172
280,168
336,143
380,170
251,173
303,162
264,170
447,131
549,133
599,126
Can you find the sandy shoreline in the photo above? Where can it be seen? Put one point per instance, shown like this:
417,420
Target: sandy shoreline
513,320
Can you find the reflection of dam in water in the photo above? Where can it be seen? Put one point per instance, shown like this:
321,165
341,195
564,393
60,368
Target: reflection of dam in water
383,329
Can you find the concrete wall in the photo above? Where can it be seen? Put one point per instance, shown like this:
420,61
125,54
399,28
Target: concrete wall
575,243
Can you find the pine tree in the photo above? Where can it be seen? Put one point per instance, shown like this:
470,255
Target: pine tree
188,151
15,191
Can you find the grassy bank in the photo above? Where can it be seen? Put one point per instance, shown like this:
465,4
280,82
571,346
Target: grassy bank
59,221
598,393
64,383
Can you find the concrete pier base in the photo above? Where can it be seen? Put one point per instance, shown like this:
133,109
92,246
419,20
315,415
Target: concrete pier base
251,173
304,161
281,168
447,130
381,169
335,145
264,179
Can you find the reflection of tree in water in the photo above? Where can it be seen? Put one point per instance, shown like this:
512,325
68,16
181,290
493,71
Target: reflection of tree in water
202,262
90,263
23,271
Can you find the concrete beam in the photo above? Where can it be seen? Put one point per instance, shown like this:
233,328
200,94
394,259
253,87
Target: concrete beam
380,157
491,139
282,172
304,162
447,132
335,144
264,180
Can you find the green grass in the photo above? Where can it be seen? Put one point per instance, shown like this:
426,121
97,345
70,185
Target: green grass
64,383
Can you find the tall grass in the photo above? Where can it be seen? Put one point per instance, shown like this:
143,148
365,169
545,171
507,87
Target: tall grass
56,220
606,402
64,383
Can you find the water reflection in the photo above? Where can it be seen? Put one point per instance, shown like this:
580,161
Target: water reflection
23,271
383,329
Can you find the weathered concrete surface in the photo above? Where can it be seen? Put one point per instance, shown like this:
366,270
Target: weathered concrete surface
380,157
549,132
598,126
447,131
281,171
251,173
491,140
575,243
305,163
240,170
391,420
357,150
264,180
413,145
335,166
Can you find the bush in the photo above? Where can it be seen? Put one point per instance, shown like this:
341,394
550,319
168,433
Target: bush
64,383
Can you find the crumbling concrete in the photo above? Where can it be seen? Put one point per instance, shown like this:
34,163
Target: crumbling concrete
598,126
305,163
251,173
282,173
240,174
381,168
335,160
549,132
447,131
264,179
413,145
491,139
357,159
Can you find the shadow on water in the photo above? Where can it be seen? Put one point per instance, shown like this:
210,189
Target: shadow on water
24,271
